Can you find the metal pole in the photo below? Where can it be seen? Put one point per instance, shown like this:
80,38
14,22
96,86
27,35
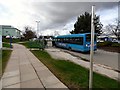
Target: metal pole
10,42
91,50
118,36
1,37
38,28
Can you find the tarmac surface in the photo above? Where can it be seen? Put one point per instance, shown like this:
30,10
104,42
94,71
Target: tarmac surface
110,59
24,70
106,58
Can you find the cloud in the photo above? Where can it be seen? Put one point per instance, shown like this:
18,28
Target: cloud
13,13
52,15
55,14
108,16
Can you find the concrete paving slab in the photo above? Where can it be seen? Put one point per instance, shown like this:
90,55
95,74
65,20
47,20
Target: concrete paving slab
23,57
34,60
13,57
13,60
24,70
57,85
13,64
10,81
37,64
35,83
49,81
10,65
11,74
41,68
24,63
25,66
8,69
58,89
14,86
44,73
28,76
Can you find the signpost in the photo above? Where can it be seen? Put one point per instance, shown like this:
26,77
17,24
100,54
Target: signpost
91,49
10,42
0,56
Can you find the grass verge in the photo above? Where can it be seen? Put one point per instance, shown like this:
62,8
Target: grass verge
5,57
109,46
73,75
26,44
7,45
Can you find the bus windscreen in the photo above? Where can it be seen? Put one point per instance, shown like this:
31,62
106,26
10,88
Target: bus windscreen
88,37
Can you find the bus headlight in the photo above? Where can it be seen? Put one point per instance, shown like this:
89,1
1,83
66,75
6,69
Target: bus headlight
86,45
89,45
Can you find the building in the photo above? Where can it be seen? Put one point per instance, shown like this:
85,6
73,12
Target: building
8,30
104,37
0,38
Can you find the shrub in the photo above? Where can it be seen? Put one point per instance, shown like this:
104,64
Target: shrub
107,43
13,40
115,45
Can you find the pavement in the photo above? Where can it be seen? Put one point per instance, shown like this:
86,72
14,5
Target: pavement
58,53
24,70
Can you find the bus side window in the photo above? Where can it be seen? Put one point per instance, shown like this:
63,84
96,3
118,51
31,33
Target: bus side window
68,40
58,40
73,40
81,40
76,40
64,40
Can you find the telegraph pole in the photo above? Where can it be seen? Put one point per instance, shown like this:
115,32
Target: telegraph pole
91,49
37,28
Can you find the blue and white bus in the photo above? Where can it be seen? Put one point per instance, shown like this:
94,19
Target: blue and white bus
77,42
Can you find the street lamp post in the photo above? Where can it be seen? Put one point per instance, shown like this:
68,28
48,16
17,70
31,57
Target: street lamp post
37,28
91,49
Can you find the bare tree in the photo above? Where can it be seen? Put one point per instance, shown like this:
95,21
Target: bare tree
115,28
56,33
28,34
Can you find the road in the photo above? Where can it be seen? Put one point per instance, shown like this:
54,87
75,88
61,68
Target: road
106,58
100,57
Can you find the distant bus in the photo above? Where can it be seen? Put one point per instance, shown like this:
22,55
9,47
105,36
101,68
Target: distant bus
77,42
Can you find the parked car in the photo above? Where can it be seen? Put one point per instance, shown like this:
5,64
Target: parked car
100,40
114,40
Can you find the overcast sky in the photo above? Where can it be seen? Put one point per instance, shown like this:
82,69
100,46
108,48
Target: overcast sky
53,16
